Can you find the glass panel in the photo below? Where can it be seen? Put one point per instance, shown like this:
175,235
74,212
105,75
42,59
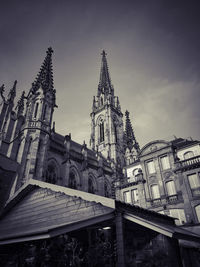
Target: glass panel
151,167
188,154
155,191
127,197
194,181
134,193
165,163
171,190
197,209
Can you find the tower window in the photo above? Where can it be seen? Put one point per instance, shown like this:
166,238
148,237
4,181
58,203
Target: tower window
44,112
36,110
115,130
101,131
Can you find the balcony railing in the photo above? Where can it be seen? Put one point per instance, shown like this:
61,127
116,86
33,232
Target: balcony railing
188,163
172,199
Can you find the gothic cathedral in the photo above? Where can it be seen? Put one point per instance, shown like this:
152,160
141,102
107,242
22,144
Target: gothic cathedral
28,137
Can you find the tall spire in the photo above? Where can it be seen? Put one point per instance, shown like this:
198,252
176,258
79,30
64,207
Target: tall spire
105,85
12,93
129,133
44,78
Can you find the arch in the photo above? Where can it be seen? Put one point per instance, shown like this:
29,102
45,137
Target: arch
44,112
92,184
74,178
52,172
188,154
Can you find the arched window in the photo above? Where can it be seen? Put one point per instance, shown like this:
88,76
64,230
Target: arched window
188,154
171,190
115,130
155,193
51,173
36,110
72,180
90,186
101,131
102,101
106,190
44,112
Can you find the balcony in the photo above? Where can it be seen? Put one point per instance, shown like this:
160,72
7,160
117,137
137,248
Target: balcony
188,164
156,202
172,199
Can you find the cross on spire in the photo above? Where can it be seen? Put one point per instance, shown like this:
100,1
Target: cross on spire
105,85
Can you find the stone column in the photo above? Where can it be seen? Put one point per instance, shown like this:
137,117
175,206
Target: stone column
120,240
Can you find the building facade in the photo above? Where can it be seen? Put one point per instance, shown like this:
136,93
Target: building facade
165,178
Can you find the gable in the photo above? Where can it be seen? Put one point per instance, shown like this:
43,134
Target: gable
153,147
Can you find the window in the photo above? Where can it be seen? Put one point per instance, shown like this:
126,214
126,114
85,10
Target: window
127,197
197,209
188,154
36,110
115,129
194,181
51,174
179,214
165,162
90,186
171,190
134,194
151,167
155,191
101,131
72,181
44,112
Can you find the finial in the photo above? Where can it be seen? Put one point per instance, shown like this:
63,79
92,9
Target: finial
103,53
49,51
2,89
12,92
20,104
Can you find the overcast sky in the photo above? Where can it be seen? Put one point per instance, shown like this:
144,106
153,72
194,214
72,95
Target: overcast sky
152,50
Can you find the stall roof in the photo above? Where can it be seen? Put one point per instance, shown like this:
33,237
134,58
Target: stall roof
41,210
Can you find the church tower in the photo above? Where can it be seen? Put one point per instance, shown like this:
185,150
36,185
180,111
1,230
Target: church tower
107,134
35,132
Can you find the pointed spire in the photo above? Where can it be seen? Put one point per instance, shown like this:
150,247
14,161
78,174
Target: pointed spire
12,93
44,78
130,137
20,104
105,85
2,89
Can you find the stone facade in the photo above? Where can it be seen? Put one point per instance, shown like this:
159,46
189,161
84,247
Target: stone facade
165,178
